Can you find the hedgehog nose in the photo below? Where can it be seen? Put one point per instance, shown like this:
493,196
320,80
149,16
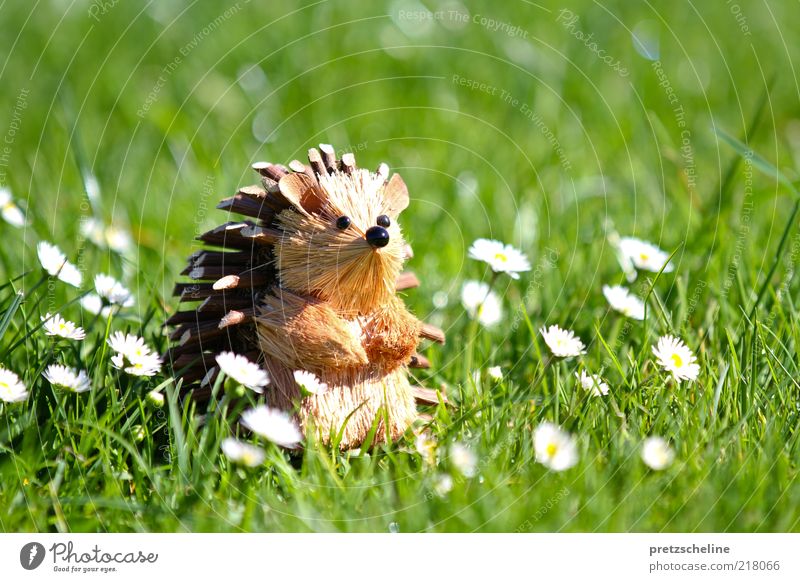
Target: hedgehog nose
377,236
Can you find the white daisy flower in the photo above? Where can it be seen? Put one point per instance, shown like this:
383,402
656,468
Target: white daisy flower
562,342
502,258
622,300
272,424
676,358
464,459
644,255
57,325
92,229
495,373
592,382
69,378
118,239
443,485
555,448
129,345
133,355
656,453
426,447
11,387
243,371
94,304
10,211
55,263
112,290
481,303
146,365
309,382
243,453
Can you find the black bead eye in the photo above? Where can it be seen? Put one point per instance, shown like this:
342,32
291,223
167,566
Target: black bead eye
343,222
384,221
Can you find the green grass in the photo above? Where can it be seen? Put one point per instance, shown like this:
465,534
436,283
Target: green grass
564,153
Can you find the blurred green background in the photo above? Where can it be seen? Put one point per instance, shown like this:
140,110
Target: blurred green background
548,126
515,130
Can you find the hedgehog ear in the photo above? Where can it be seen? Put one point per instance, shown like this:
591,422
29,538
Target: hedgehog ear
395,196
303,193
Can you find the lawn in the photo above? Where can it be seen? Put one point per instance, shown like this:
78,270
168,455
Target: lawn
558,129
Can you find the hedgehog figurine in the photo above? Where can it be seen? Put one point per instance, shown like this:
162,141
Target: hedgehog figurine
310,284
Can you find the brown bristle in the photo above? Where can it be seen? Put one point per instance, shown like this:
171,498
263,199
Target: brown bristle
240,204
315,160
406,280
348,163
224,302
432,332
328,156
419,361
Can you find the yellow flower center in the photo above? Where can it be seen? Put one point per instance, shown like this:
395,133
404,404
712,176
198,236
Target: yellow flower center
501,257
5,388
248,458
552,448
677,360
644,256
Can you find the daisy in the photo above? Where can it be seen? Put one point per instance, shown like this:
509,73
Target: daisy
69,378
593,383
242,453
622,300
243,371
94,304
133,355
463,459
309,382
495,373
443,485
112,290
555,449
562,342
272,424
502,258
426,447
146,365
129,345
11,388
118,239
676,358
644,255
481,303
11,212
55,263
57,325
656,453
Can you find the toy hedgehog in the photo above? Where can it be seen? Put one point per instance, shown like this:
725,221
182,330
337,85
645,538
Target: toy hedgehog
311,285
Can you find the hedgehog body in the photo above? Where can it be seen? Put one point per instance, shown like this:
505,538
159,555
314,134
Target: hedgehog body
311,286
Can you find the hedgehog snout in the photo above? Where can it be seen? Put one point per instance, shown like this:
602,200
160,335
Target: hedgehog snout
377,236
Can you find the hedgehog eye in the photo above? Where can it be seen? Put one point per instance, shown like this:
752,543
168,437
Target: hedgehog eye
343,222
384,221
